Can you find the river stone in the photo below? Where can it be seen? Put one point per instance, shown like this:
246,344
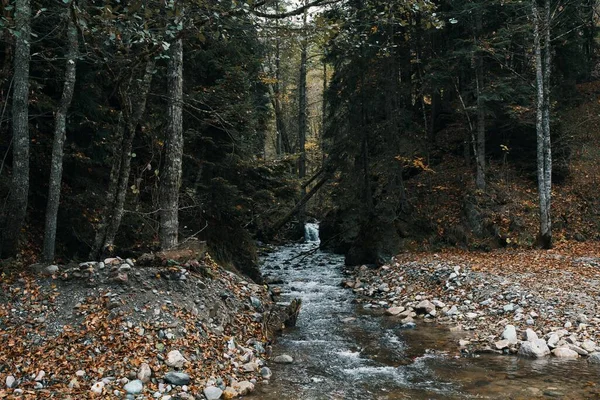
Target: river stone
394,310
578,350
177,378
510,334
530,335
594,358
425,307
250,367
536,349
266,373
230,393
244,387
589,346
134,387
145,373
212,393
502,344
564,352
175,359
283,359
553,340
97,387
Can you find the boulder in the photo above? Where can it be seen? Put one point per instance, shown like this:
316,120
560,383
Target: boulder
283,359
212,393
510,334
535,349
564,352
425,307
134,387
244,387
530,335
594,358
394,310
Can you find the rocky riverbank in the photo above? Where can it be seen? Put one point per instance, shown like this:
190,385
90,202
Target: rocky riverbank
172,325
531,303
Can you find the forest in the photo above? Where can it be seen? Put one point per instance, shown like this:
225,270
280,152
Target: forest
198,138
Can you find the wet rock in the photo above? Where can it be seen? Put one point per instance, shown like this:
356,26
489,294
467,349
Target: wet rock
594,358
535,349
283,359
212,393
134,387
394,310
266,373
425,307
564,352
177,378
175,359
244,387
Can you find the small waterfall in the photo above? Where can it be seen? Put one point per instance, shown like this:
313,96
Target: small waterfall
311,232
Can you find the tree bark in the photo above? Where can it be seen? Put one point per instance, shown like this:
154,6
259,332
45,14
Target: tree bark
60,122
17,201
302,119
544,156
170,179
480,154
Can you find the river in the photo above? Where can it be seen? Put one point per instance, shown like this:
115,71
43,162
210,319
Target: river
341,351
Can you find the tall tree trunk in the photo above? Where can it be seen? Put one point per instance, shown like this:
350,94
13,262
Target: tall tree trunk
170,179
544,164
302,118
60,129
17,201
480,154
135,105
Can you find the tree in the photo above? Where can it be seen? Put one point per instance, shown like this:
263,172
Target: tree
60,129
19,191
543,64
170,178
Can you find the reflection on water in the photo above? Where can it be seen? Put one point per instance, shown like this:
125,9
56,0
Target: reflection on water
343,352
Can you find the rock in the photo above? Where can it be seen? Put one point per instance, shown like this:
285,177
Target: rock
394,310
80,373
509,307
175,359
10,381
73,384
502,344
589,346
212,393
266,373
594,358
438,304
283,359
464,342
564,352
98,387
40,376
510,334
530,335
568,325
230,393
452,311
536,349
425,307
134,387
472,315
177,378
553,340
145,373
578,350
50,270
250,367
244,387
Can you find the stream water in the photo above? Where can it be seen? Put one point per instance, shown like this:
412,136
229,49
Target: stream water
341,351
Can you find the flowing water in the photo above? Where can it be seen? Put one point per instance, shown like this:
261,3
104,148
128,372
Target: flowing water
341,351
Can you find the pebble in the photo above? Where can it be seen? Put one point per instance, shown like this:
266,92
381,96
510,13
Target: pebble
510,334
97,387
10,381
564,352
145,372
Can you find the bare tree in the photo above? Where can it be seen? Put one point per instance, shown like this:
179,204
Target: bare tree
17,202
170,177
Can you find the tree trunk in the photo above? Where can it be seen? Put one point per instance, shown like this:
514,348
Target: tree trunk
480,154
544,164
60,122
17,201
170,179
302,119
135,105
